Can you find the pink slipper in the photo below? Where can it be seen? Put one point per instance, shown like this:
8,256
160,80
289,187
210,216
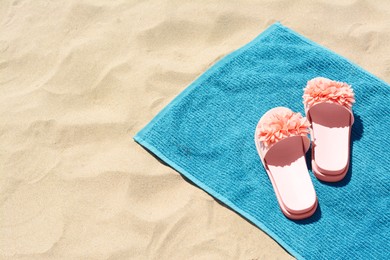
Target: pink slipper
281,141
328,106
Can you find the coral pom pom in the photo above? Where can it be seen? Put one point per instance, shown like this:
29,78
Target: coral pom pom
320,90
281,125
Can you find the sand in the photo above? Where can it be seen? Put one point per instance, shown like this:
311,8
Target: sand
79,78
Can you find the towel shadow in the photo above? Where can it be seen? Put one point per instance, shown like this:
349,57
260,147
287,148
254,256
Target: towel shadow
356,134
194,184
155,156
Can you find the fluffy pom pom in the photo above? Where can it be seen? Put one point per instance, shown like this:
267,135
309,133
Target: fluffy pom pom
320,90
281,125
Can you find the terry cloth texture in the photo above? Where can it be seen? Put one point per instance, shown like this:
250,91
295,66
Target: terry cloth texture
206,133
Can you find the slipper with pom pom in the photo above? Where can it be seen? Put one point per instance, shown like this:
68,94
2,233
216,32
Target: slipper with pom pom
328,106
281,141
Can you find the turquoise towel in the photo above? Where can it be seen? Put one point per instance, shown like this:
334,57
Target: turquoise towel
206,134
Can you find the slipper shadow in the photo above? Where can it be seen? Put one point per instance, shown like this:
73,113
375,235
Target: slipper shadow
312,219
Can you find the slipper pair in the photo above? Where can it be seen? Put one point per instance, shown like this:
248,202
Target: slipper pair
282,142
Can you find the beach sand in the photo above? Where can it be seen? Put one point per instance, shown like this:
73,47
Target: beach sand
78,79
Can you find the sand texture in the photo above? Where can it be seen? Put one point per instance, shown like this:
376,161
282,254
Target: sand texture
79,78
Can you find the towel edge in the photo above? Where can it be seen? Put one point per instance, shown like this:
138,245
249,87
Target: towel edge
143,143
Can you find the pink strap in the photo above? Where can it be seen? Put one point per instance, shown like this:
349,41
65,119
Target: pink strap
323,104
263,150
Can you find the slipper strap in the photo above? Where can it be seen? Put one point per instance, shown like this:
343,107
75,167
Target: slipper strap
263,150
307,110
